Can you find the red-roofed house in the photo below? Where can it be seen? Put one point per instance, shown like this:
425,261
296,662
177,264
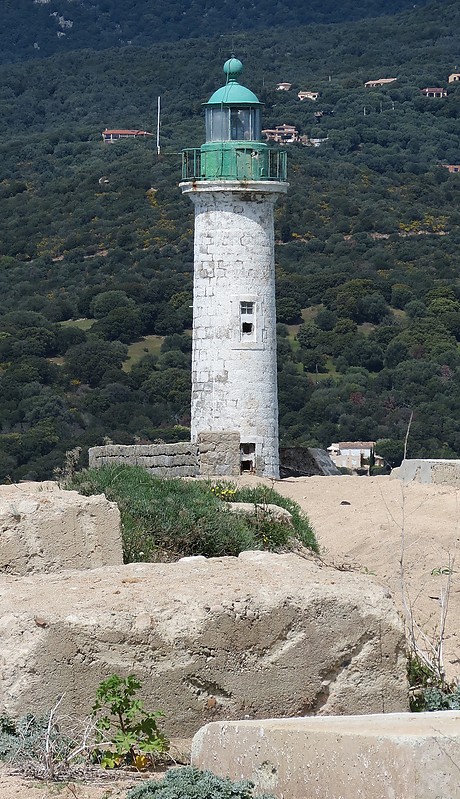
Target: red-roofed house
354,454
282,134
436,92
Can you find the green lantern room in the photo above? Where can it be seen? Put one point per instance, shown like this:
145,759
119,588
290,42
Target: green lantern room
233,148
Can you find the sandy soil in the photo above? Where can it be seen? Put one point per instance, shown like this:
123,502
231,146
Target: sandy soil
380,518
15,787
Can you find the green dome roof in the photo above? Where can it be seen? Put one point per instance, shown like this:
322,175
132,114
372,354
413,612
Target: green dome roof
233,93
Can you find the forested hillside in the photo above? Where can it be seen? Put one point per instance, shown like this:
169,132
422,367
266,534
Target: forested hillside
39,28
96,250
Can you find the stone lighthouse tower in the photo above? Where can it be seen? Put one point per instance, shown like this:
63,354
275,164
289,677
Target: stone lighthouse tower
234,180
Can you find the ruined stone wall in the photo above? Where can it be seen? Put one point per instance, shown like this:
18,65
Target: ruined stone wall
257,636
215,453
162,460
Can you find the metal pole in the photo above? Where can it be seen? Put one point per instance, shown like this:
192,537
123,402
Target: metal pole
158,125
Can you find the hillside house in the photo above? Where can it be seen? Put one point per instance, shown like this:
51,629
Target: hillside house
452,167
283,87
354,454
454,77
282,134
318,115
308,95
436,92
377,84
113,135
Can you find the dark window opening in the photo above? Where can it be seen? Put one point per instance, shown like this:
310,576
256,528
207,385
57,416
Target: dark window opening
247,327
247,458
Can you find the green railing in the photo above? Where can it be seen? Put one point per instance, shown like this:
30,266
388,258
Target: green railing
234,163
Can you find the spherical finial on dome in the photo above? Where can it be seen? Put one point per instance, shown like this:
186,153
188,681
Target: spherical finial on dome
232,68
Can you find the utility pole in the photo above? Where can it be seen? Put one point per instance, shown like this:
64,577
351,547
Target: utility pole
158,124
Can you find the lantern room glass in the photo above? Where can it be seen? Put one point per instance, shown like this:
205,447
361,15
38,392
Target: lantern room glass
232,124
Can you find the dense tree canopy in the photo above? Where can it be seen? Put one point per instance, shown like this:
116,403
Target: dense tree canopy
37,29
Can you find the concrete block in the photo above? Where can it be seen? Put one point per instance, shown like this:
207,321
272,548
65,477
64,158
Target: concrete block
46,529
440,471
260,635
392,756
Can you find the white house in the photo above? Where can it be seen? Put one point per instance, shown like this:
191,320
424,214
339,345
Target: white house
354,454
308,95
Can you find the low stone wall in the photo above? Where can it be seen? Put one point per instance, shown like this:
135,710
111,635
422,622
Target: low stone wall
46,529
394,756
437,471
215,453
163,460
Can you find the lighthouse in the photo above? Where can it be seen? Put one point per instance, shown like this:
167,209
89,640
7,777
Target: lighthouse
234,180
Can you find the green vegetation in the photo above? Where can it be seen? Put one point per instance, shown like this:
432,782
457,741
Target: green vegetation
126,734
428,691
31,31
34,745
191,783
168,519
368,256
150,345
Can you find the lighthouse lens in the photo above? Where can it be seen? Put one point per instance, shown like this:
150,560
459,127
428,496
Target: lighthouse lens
217,124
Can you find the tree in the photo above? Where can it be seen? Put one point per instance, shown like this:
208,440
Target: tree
107,301
89,361
391,450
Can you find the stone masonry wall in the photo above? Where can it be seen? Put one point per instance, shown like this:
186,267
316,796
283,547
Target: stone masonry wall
216,453
219,454
234,379
162,460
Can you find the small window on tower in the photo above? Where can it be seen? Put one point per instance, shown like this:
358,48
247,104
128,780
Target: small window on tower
247,319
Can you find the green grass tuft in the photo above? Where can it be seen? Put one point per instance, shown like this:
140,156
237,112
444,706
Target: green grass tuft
166,519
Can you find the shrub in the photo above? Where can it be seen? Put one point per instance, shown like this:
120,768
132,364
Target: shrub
36,745
436,699
191,783
427,691
165,519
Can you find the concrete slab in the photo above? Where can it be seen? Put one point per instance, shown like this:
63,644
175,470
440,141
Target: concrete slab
440,471
388,756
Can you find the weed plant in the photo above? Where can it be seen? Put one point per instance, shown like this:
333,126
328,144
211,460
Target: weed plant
126,733
191,783
165,519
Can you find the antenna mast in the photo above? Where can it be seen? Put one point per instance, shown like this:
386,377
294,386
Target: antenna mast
158,124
